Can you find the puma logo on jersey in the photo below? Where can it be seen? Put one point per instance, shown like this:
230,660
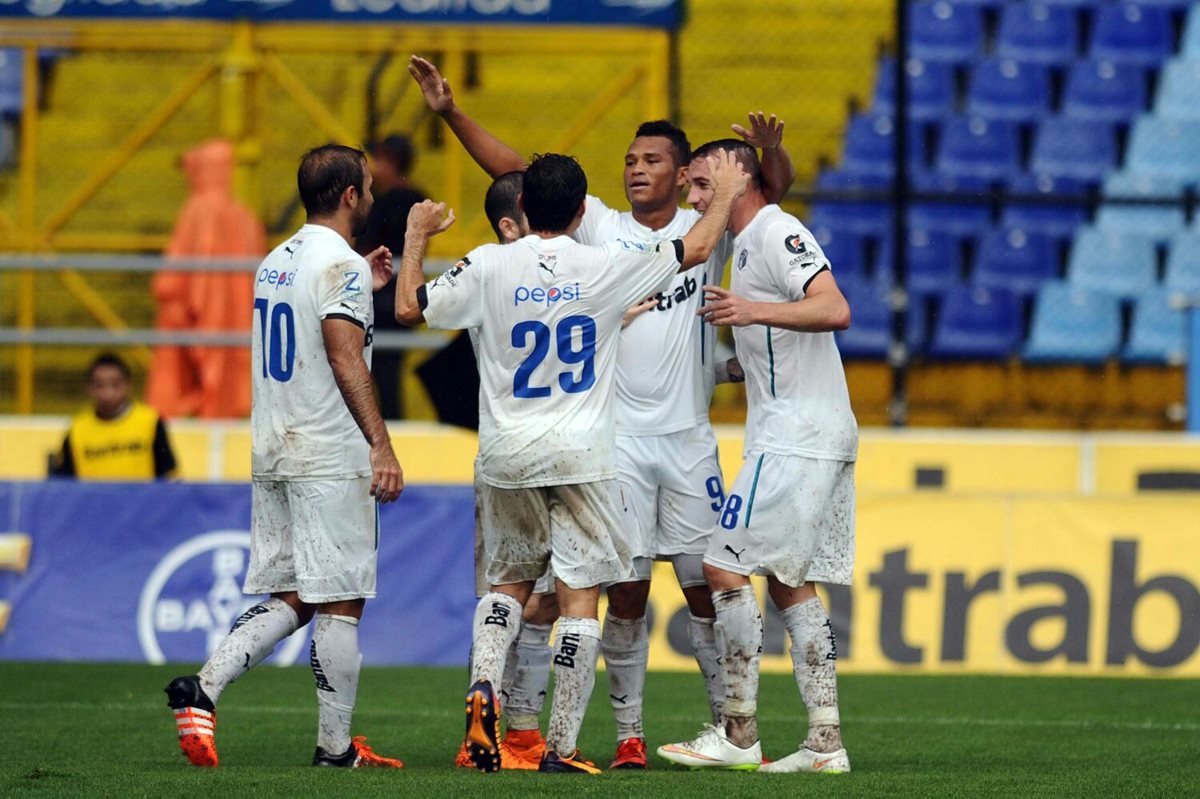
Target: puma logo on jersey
736,553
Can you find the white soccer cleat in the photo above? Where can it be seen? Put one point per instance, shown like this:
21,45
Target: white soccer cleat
809,761
711,749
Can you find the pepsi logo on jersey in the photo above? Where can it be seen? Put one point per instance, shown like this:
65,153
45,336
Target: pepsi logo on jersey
548,296
275,277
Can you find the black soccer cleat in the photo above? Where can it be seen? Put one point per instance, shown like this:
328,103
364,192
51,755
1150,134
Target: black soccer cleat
186,692
554,763
483,727
359,755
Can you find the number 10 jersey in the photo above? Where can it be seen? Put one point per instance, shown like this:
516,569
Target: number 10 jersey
301,427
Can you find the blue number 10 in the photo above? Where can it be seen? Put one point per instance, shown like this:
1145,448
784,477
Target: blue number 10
568,353
278,340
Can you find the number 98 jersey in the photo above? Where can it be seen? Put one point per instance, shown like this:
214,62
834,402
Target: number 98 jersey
301,427
547,315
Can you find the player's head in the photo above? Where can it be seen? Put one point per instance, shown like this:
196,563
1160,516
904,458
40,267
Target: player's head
108,385
553,193
701,192
656,166
334,181
392,160
502,209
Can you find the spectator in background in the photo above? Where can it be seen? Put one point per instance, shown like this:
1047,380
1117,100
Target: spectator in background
391,162
117,438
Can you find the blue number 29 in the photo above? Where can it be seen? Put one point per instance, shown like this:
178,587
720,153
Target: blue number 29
568,353
278,339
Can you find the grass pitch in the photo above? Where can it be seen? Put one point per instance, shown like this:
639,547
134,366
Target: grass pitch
104,730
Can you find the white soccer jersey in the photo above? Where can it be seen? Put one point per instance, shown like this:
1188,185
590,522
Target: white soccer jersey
664,362
301,427
548,315
796,392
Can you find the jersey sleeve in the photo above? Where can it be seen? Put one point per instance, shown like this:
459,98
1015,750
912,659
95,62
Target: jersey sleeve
597,217
639,270
454,300
345,292
794,258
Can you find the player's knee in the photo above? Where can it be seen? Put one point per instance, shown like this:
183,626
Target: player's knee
721,579
628,600
541,609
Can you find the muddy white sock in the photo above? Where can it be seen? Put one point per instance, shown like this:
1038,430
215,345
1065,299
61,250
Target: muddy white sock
814,662
497,622
740,630
574,677
252,638
626,647
704,643
336,662
527,693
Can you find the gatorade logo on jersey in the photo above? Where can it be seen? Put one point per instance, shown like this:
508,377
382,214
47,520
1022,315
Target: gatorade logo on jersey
795,244
548,296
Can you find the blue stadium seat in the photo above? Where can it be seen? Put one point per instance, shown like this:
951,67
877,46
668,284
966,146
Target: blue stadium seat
847,252
862,217
1073,324
967,217
973,147
1038,33
1132,33
1103,91
1004,89
942,31
1170,5
1179,91
1121,265
934,262
1054,220
1158,331
1073,148
1156,222
1183,264
1167,148
870,331
871,143
930,89
977,322
1190,47
12,98
1082,5
1016,260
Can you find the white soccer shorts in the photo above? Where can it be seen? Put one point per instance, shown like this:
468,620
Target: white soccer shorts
568,527
319,538
544,584
790,517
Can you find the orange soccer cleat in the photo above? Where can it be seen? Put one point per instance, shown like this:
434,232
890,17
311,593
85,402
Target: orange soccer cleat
195,720
526,744
482,737
631,754
463,758
359,755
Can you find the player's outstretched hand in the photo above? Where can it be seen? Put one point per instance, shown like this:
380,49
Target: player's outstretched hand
428,218
725,170
723,307
380,260
387,478
436,89
638,310
765,134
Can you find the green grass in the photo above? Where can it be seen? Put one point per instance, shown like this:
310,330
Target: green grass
104,730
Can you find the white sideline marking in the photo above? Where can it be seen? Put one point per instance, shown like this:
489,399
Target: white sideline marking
936,721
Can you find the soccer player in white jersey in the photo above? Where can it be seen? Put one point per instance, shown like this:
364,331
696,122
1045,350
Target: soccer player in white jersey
666,451
548,313
321,460
790,513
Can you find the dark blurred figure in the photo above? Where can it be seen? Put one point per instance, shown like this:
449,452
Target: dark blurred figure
391,161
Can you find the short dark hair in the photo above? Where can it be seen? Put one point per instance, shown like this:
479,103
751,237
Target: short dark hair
554,188
501,199
109,359
325,173
398,149
667,130
746,155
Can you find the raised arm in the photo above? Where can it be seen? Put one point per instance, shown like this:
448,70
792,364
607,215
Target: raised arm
778,172
493,156
425,220
729,181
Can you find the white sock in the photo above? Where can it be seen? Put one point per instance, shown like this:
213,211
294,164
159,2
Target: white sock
814,662
704,643
575,675
626,647
527,692
336,662
252,638
510,671
739,626
497,622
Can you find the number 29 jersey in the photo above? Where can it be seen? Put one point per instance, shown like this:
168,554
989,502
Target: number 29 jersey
547,315
300,426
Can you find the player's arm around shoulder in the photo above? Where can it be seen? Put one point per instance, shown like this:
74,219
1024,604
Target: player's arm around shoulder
426,219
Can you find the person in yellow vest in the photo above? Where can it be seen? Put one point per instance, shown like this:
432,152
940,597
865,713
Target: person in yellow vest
118,438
